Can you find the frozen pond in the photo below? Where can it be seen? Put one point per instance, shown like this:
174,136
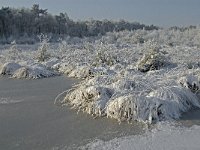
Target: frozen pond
191,118
30,120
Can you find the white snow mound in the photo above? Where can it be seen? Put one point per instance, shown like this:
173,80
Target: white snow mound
35,71
164,137
9,68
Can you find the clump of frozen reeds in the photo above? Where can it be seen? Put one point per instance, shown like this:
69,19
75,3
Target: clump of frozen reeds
9,68
34,71
42,52
152,59
190,82
149,98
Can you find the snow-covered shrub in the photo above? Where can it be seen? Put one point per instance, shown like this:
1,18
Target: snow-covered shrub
35,71
124,84
42,52
190,82
51,62
103,57
123,100
152,60
22,72
65,68
173,101
90,99
62,47
9,68
13,53
82,72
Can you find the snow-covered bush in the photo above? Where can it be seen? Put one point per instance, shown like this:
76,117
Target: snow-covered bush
103,57
82,72
35,71
42,52
62,47
90,99
9,68
152,60
128,100
190,82
173,101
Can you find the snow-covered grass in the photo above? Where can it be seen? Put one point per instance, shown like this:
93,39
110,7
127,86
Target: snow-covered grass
140,75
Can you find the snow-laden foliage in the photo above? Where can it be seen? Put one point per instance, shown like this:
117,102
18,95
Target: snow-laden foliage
9,68
190,82
42,52
153,60
34,71
117,82
142,98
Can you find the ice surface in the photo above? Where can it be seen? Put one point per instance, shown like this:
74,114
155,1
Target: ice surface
9,101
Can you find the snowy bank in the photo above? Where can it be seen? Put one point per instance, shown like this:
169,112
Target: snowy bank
165,137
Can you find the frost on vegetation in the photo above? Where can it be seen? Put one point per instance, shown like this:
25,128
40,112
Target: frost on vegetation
51,63
34,71
173,101
190,82
42,52
63,47
79,72
13,52
115,84
90,99
9,68
84,71
103,57
152,60
145,99
65,68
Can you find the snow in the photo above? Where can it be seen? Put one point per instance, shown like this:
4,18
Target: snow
146,98
34,71
9,68
164,136
39,71
123,78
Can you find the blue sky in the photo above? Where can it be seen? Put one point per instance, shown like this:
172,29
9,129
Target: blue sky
158,12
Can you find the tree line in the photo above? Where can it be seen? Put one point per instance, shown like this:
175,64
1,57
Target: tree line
30,22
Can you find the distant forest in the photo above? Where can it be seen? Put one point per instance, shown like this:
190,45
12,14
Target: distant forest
30,22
